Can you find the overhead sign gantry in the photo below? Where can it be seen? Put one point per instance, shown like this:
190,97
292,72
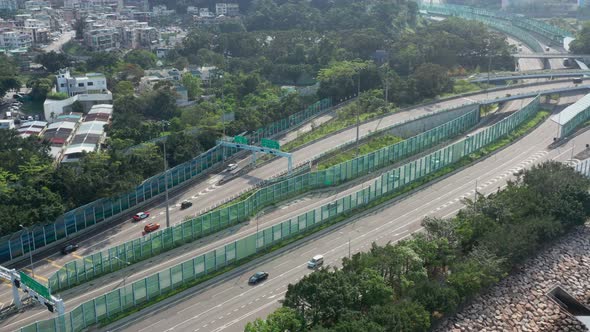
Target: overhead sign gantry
267,146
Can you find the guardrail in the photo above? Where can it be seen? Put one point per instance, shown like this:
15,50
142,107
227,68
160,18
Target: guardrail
164,282
86,217
101,263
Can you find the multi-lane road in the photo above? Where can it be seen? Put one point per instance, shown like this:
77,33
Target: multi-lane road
230,303
94,288
208,193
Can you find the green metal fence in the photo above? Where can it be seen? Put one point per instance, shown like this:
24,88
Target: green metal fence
551,32
142,291
74,221
484,16
101,263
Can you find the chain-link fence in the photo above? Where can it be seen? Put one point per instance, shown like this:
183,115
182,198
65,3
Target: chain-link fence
17,244
101,263
143,290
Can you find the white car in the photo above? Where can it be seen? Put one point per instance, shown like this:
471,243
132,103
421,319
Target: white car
231,167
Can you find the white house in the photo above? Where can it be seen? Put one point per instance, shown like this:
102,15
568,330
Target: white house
91,83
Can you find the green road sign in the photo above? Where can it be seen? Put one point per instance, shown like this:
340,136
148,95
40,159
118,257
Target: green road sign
240,140
34,285
268,143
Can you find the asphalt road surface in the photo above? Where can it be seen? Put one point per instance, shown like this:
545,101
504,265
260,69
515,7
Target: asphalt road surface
207,193
230,303
104,284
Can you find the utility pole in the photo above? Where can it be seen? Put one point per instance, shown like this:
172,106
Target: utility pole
166,186
29,237
358,111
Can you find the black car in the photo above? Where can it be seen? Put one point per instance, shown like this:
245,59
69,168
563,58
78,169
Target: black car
185,205
258,277
69,248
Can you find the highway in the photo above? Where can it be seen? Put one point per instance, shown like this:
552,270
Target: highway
140,270
208,193
230,303
525,64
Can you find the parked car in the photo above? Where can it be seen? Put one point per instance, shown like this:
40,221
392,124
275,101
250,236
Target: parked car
185,205
151,227
69,248
258,277
141,215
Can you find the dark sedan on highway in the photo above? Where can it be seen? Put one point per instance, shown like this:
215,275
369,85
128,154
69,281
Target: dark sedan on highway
258,277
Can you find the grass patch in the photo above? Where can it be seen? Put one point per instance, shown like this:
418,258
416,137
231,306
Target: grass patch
465,161
332,126
365,148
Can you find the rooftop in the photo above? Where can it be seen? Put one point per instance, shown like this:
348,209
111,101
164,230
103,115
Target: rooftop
571,111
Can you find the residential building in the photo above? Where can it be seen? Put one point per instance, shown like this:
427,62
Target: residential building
9,5
227,9
90,135
173,75
36,4
31,128
192,10
60,132
10,39
7,124
54,108
162,10
90,83
102,39
205,12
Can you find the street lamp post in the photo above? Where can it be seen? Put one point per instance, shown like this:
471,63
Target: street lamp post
30,250
166,186
358,111
125,262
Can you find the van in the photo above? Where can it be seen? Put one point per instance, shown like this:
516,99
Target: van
315,261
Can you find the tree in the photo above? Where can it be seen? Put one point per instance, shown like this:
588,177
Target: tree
321,297
193,85
53,61
130,72
404,316
79,25
40,87
8,75
282,319
142,58
124,88
432,80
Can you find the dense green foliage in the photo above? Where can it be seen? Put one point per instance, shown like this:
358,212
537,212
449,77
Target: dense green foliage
408,286
296,42
53,61
8,75
581,45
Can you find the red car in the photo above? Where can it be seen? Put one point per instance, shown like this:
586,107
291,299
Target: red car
151,227
141,215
